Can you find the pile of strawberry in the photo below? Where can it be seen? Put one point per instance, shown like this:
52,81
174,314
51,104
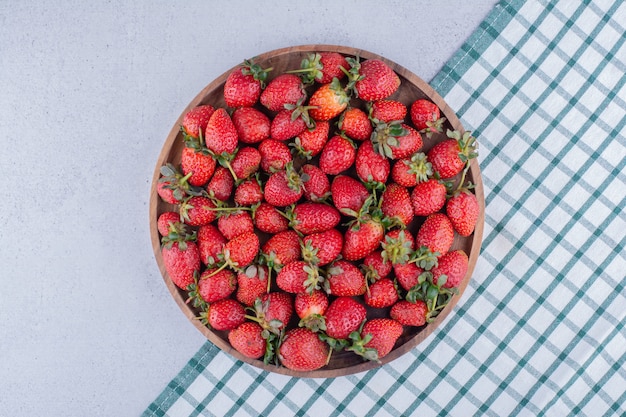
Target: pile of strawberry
306,217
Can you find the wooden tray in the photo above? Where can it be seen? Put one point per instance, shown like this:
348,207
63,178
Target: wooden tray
412,88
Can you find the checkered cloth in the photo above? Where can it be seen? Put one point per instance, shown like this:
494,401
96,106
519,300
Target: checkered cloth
540,328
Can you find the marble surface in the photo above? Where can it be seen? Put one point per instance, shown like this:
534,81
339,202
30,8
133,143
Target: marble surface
88,93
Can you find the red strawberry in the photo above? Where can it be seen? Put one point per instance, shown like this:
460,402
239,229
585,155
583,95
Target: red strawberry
328,101
463,210
407,274
196,119
293,277
252,125
269,220
169,220
247,340
322,67
375,267
283,188
210,243
248,192
370,165
348,194
284,89
214,287
310,142
337,156
396,140
397,246
246,162
377,80
241,250
322,248
221,135
378,337
198,211
311,309
436,233
345,279
200,166
449,157
244,84
182,262
281,249
409,314
454,266
382,293
396,204
251,284
221,185
288,124
315,182
428,197
309,217
362,238
387,111
234,223
343,316
410,171
426,116
275,310
172,186
274,155
226,314
302,350
355,124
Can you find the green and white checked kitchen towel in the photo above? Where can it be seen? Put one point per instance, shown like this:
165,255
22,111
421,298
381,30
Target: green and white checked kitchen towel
540,329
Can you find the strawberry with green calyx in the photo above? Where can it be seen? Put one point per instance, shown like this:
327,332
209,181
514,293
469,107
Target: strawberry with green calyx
321,67
315,182
364,234
181,256
452,156
283,188
210,243
292,121
375,267
244,84
247,340
268,219
195,121
463,210
432,292
310,308
310,142
310,217
386,111
371,167
426,117
408,313
272,312
453,265
397,247
199,165
322,248
348,195
328,101
407,274
173,187
251,284
382,293
338,155
425,258
372,80
275,155
302,350
395,203
355,124
169,220
375,338
251,124
412,170
198,210
396,140
344,279
249,192
279,250
238,252
281,90
428,197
